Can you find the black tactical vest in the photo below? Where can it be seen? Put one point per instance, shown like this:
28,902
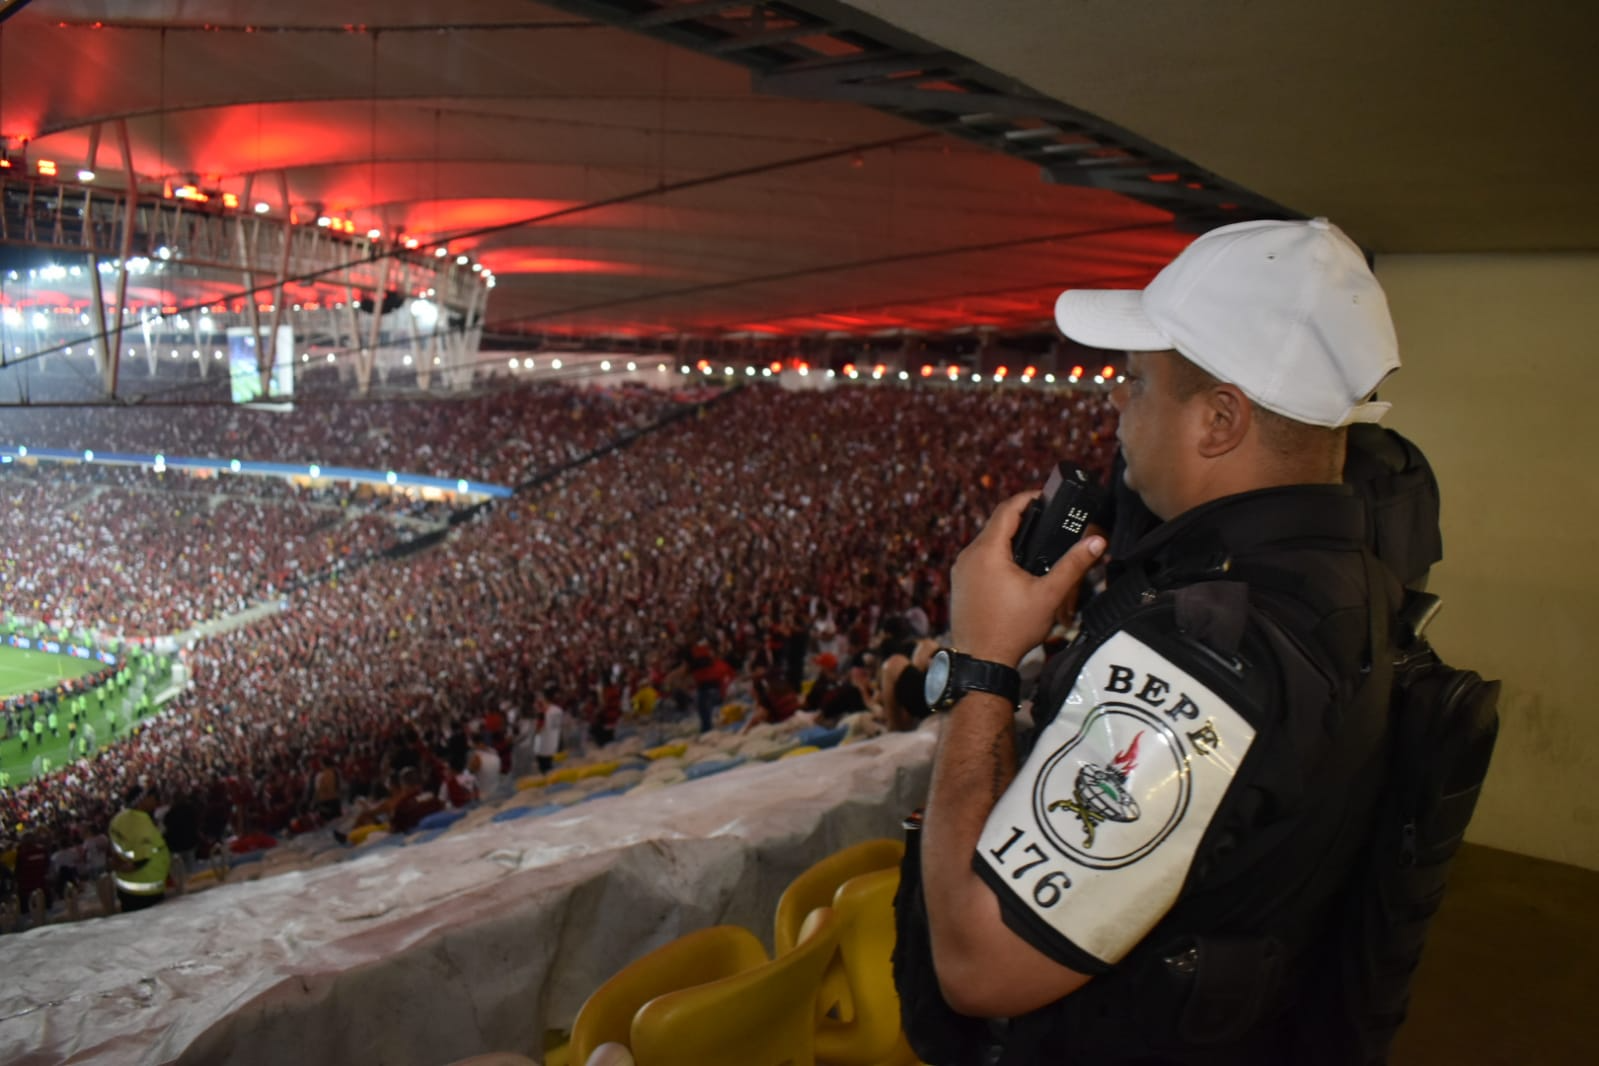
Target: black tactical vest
1275,587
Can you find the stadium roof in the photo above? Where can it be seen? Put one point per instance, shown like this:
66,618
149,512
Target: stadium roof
804,168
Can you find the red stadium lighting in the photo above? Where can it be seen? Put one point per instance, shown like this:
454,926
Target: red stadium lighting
702,365
880,369
849,368
1030,372
190,193
412,242
1077,372
927,370
999,375
5,164
1108,372
47,168
954,373
777,368
229,200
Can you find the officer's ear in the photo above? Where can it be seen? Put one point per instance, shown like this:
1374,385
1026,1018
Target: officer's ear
1227,415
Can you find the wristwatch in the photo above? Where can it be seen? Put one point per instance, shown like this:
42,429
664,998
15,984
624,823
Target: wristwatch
951,675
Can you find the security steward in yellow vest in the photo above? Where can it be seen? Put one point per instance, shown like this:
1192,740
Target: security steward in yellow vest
140,859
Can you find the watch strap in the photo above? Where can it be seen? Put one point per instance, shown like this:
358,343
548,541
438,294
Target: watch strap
970,674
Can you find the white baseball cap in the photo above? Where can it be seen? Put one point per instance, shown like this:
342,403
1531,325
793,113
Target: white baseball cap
1287,311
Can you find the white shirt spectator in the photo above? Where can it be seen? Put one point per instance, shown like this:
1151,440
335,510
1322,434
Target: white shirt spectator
486,769
548,741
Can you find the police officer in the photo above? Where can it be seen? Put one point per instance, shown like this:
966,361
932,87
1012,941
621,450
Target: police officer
140,859
1144,885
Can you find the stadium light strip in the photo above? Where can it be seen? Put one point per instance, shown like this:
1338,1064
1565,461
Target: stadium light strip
391,478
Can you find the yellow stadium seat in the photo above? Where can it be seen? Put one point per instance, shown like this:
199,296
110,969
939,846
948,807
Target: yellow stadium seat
566,775
732,712
865,909
760,1017
599,769
803,749
359,834
666,751
816,887
200,880
693,959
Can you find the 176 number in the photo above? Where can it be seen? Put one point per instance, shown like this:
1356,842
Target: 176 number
1050,885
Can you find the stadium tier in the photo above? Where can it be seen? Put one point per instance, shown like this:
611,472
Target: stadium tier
489,935
766,511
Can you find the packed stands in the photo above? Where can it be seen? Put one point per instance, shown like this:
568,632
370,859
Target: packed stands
770,512
142,554
504,435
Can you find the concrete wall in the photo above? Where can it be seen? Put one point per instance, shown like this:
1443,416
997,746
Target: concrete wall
1500,387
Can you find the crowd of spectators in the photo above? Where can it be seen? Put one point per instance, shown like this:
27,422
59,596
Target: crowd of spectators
772,525
502,435
141,554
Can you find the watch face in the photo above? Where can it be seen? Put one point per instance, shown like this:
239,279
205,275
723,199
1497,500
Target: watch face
937,677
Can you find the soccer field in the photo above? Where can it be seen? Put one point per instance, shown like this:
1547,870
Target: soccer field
28,671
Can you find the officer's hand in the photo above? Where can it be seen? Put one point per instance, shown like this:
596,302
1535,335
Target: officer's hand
1066,610
998,611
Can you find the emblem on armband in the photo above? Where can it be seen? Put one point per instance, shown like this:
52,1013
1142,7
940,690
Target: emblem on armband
1141,791
1101,793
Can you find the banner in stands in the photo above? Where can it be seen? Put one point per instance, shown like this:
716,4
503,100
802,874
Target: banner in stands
55,647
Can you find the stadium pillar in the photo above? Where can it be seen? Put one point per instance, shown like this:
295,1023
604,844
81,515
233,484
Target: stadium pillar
460,362
248,233
352,304
368,352
410,319
130,218
147,327
104,354
268,356
425,364
475,324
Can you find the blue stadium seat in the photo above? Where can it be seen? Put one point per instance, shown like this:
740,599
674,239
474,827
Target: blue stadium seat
441,819
821,736
712,766
516,813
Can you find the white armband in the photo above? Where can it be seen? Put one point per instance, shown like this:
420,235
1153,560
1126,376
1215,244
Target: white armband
1095,835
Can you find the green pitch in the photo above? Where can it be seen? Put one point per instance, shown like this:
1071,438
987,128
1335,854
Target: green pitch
29,671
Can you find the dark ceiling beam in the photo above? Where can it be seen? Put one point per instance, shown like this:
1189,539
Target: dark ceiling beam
910,78
11,7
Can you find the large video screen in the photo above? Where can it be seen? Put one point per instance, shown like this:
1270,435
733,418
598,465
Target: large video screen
244,366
